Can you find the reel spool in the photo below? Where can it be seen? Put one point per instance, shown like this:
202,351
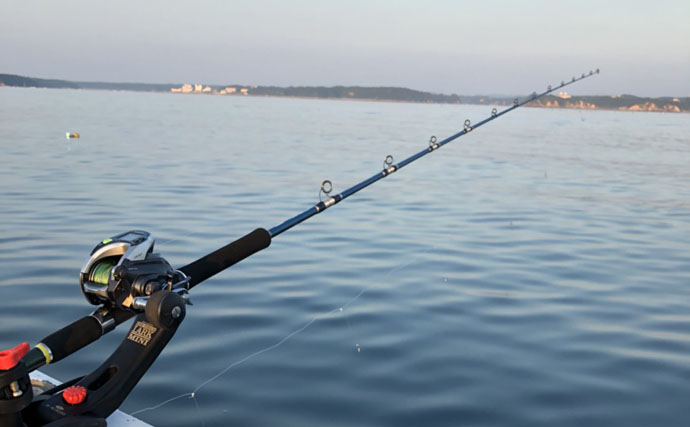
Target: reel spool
122,272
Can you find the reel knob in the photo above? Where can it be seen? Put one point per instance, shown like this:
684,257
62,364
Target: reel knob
165,309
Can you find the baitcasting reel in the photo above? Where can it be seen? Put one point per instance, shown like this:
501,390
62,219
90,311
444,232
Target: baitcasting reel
123,272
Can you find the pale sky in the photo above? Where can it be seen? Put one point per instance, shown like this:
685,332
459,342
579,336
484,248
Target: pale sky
478,47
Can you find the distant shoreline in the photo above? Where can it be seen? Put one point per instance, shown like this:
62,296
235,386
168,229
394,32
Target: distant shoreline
561,100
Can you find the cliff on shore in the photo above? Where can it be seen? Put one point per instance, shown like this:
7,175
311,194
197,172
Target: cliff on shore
621,103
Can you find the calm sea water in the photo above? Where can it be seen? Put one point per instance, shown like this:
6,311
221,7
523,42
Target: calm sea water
533,273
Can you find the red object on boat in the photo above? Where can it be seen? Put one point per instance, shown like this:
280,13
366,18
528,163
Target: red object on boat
10,358
74,395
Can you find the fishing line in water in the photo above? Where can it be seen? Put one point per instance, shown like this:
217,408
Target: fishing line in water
322,316
388,168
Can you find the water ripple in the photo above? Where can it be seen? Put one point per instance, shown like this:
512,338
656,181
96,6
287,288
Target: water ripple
534,274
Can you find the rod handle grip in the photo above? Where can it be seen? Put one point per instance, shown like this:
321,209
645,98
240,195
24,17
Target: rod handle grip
230,254
69,339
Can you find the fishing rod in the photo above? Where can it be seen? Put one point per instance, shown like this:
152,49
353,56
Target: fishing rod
125,278
389,167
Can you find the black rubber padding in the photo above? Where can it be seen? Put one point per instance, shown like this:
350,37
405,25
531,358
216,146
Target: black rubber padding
230,254
73,337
